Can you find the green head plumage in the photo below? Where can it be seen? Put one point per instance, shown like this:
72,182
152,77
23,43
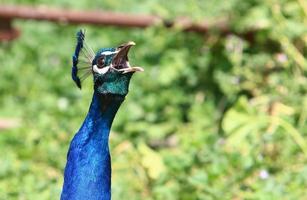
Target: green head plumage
110,67
112,82
112,71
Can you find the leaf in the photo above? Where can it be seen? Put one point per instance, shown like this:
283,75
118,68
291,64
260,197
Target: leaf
152,161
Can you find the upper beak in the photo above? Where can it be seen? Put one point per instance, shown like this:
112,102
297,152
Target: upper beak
121,58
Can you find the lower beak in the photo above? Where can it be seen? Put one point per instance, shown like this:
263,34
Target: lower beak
131,69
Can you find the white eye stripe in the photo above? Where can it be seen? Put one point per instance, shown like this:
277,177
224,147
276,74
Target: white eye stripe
100,71
106,53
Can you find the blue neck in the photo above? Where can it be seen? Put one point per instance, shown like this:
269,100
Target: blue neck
88,170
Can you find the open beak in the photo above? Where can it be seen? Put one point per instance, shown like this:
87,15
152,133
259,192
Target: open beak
120,61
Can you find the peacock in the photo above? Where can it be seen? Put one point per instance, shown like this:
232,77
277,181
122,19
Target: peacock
87,174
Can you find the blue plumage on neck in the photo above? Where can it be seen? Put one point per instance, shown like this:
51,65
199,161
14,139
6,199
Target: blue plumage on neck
88,169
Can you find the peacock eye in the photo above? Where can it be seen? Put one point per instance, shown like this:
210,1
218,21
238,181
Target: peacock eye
100,61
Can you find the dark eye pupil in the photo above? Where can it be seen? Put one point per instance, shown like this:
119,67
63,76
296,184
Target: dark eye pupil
100,62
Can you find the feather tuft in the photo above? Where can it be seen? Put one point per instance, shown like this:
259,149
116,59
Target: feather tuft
82,63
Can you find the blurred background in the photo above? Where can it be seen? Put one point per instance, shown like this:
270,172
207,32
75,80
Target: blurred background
214,116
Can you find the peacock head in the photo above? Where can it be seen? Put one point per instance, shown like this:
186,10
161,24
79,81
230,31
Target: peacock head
112,71
109,66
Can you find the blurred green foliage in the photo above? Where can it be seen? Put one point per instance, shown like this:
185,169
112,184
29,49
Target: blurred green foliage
212,117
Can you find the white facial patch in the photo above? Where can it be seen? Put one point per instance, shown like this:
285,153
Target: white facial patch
106,53
102,70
